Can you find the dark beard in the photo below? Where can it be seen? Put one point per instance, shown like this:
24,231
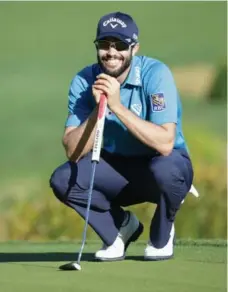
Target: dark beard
118,72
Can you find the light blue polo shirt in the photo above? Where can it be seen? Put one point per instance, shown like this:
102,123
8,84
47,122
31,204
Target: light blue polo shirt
149,92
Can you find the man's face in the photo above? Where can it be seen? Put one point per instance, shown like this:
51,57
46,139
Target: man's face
115,58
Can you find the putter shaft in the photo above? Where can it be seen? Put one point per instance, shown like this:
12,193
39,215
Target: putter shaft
94,163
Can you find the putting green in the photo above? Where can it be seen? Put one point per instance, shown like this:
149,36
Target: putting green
197,266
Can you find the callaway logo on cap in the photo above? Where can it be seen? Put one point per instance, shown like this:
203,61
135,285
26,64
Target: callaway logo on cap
119,25
114,22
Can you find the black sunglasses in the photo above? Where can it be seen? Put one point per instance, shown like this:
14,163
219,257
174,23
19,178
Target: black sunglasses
118,45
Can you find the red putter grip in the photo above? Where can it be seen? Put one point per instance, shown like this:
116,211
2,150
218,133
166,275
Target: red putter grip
99,128
102,106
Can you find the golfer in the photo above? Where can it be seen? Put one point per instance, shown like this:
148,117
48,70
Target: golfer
144,156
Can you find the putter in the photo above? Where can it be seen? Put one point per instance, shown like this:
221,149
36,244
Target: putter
95,159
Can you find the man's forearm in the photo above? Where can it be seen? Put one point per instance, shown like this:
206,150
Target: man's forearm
154,136
80,140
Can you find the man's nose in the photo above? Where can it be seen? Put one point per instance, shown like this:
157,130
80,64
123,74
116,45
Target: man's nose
112,49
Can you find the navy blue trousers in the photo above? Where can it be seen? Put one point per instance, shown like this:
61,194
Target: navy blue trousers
124,181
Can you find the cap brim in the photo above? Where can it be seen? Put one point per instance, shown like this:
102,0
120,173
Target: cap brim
116,35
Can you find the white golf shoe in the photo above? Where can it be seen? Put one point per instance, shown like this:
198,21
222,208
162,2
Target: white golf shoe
129,232
156,254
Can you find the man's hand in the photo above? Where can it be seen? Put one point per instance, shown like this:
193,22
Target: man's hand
97,94
110,87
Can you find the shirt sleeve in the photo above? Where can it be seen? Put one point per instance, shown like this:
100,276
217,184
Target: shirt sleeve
79,100
163,96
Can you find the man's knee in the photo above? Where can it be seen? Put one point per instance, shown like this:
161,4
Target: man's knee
71,187
62,179
169,178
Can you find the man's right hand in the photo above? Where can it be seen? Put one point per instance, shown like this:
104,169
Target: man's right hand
97,94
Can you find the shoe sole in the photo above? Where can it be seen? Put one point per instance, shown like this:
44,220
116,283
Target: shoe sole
158,258
133,238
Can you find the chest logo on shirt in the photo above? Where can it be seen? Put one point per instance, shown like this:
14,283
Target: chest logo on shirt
158,102
137,75
136,108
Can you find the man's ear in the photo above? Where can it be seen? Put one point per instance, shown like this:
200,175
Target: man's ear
135,49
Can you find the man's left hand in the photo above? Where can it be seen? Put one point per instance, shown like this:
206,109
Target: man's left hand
111,87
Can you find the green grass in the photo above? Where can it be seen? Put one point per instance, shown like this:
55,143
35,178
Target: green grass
206,116
198,266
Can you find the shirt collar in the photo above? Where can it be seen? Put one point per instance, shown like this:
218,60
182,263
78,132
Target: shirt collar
134,76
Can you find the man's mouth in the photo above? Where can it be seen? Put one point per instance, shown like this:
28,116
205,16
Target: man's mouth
112,62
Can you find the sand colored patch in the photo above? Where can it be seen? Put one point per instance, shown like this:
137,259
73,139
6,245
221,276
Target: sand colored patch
195,80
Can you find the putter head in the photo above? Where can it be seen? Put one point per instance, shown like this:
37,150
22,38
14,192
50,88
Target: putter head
70,267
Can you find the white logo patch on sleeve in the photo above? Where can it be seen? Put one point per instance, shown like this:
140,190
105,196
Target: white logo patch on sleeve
158,102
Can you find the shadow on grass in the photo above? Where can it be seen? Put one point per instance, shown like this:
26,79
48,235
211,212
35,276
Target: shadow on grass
52,257
44,257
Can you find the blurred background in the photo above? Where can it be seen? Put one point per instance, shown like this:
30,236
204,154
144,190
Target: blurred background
43,45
